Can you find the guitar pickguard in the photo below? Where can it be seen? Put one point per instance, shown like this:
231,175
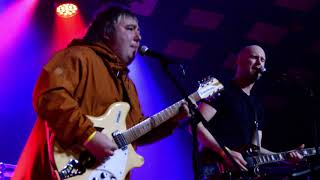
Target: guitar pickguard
112,168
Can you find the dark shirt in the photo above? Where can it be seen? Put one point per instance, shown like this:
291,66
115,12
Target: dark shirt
234,123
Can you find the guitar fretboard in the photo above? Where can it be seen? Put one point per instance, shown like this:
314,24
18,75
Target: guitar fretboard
264,159
147,125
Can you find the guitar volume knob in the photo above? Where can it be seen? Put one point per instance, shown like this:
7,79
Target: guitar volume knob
102,175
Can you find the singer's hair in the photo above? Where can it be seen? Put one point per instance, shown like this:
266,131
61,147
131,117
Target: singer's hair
104,23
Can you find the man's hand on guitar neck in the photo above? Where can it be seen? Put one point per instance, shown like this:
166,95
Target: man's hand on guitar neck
237,158
183,113
100,146
294,156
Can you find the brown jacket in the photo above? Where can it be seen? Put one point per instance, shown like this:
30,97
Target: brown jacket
79,80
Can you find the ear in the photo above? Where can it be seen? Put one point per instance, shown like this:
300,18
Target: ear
106,35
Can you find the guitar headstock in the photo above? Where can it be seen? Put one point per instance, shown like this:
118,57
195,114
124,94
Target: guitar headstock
209,87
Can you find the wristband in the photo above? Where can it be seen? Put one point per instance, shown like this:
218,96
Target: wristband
90,137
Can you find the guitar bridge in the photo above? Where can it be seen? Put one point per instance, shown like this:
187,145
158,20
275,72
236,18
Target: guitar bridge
120,140
72,168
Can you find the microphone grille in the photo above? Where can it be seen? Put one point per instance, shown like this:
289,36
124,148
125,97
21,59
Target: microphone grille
143,50
263,69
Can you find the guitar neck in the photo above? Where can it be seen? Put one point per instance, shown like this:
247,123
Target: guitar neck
264,159
148,124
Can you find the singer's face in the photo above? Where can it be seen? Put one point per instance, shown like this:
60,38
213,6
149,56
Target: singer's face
125,40
252,58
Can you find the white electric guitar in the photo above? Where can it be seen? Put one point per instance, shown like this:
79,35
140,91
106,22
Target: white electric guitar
76,164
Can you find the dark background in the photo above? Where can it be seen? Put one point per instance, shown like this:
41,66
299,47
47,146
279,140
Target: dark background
205,35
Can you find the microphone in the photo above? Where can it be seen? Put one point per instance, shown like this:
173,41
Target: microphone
145,51
262,70
278,76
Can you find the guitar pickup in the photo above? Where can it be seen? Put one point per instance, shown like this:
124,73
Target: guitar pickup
119,140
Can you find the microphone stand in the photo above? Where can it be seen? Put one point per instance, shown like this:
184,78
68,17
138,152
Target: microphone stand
196,117
315,161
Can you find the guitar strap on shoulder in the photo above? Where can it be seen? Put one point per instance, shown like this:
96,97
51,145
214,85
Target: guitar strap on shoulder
116,75
256,126
257,131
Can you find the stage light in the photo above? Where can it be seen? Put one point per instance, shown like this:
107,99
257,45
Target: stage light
66,9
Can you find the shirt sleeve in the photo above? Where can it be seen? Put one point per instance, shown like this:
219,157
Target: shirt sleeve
54,99
217,103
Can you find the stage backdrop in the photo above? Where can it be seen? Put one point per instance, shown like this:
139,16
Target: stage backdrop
27,43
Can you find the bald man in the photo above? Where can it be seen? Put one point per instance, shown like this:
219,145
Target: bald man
235,118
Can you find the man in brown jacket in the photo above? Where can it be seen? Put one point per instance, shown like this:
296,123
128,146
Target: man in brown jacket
85,79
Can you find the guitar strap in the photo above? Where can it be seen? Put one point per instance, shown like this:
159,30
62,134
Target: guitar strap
256,124
118,74
257,130
125,93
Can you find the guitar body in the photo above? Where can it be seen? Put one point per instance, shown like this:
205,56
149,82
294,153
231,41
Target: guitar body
255,160
116,166
76,163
